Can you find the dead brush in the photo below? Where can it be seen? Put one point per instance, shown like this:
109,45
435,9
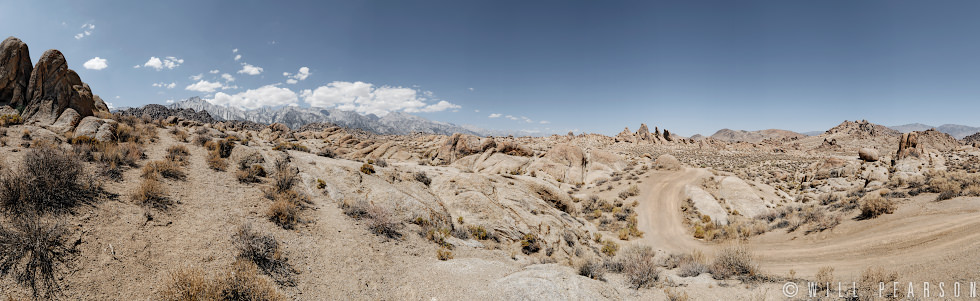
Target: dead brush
164,168
151,194
178,153
283,178
35,251
263,250
638,266
215,161
733,260
48,180
240,282
382,222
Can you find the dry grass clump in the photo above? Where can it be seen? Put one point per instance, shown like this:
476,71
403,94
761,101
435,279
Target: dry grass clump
201,139
48,180
222,147
593,269
178,154
34,251
609,248
423,178
240,282
637,264
251,174
164,168
633,190
283,178
180,135
824,276
733,260
875,205
871,280
250,160
215,161
263,250
367,169
284,210
150,194
444,254
10,119
382,222
284,146
692,265
530,244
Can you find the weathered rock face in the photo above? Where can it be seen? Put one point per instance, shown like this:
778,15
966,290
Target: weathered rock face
15,72
644,133
53,88
66,122
667,135
564,162
625,136
868,154
100,105
908,146
458,146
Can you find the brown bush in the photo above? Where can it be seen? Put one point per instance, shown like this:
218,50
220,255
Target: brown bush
871,279
382,222
221,147
190,284
824,276
150,193
249,160
201,139
638,266
178,153
284,212
35,251
326,152
284,146
10,119
48,180
593,269
240,282
283,178
367,169
250,175
164,168
876,205
180,135
733,260
421,177
215,161
444,254
530,244
262,250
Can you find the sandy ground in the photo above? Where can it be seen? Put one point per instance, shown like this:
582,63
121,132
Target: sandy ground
923,240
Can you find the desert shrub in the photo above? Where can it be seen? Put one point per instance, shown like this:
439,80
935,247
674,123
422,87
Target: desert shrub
150,193
692,265
824,276
609,248
201,139
639,267
124,132
876,205
178,153
240,282
48,180
676,295
283,177
367,169
34,251
326,152
423,178
283,212
215,161
321,184
249,160
530,244
872,278
382,222
251,174
593,269
444,254
180,135
262,250
355,209
10,119
947,194
122,154
222,147
284,146
733,260
478,232
165,168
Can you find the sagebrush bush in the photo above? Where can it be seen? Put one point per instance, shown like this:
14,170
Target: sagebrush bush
382,222
284,146
216,162
240,282
34,251
262,250
150,193
530,244
876,205
164,168
283,178
609,248
201,139
251,174
48,180
178,153
180,135
444,254
423,178
222,147
733,260
283,212
593,269
638,266
10,119
249,160
367,169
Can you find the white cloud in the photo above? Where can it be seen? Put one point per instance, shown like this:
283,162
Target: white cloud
250,70
228,77
238,57
494,115
471,89
511,117
291,81
109,105
197,77
204,86
269,95
170,101
165,85
544,122
234,50
96,63
528,120
167,62
303,73
365,98
215,71
477,111
86,31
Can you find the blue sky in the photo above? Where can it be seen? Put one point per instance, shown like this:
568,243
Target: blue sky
595,66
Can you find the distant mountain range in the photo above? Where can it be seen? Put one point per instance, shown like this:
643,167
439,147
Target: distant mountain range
754,136
394,123
956,130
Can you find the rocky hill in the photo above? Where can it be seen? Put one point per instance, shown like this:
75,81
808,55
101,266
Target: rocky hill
155,111
755,136
958,131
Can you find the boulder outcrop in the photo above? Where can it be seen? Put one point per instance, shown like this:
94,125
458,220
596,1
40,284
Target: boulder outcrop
53,88
15,72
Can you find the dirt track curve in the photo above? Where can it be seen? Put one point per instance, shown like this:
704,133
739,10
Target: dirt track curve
926,239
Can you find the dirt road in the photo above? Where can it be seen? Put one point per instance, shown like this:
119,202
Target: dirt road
923,239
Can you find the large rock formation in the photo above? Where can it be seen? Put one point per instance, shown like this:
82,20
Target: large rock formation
15,72
155,111
868,154
908,146
53,88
